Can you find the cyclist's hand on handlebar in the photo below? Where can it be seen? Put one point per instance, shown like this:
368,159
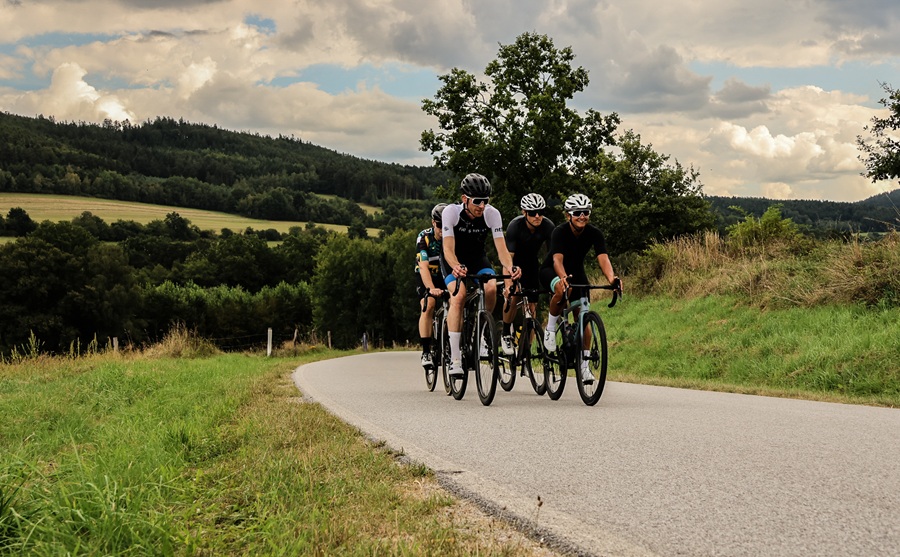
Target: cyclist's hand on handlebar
516,273
617,282
459,271
436,292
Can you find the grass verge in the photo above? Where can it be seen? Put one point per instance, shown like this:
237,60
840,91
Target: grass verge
217,455
836,353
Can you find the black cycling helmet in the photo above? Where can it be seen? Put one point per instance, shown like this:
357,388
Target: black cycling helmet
437,212
475,185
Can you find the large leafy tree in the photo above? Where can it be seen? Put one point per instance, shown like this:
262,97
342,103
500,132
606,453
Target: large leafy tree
882,150
517,127
639,196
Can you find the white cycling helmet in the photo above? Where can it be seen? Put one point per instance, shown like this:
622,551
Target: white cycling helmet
577,201
533,202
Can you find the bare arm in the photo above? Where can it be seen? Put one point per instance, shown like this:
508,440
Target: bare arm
449,247
506,257
606,267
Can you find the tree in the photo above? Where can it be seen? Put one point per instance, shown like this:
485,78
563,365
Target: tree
19,222
882,150
639,196
517,129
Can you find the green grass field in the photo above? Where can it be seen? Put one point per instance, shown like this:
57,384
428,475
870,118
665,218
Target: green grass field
57,208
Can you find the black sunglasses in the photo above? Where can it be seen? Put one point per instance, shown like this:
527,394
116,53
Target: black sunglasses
534,213
479,200
580,213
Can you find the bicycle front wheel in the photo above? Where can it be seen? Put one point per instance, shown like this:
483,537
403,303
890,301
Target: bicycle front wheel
591,368
486,347
445,354
556,368
506,365
532,350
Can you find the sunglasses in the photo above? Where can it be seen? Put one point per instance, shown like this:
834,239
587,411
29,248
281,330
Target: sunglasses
534,213
580,213
479,200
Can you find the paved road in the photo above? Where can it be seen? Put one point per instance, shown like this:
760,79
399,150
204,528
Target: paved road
649,470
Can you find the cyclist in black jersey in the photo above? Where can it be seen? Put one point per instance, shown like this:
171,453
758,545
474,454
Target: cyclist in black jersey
569,244
429,278
525,236
465,227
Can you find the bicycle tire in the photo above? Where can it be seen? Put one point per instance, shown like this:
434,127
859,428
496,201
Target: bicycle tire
435,350
532,354
486,370
596,360
445,354
506,365
556,368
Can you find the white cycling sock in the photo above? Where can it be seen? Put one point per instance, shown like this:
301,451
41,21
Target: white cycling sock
454,345
551,322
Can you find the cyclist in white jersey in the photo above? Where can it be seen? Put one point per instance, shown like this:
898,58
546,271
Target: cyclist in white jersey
465,227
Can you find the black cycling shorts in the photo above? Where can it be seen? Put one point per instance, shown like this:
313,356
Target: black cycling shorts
436,280
548,274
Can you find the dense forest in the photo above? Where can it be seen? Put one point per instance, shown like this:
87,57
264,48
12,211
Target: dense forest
820,218
182,164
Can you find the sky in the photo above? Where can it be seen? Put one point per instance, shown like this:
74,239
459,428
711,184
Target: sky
764,98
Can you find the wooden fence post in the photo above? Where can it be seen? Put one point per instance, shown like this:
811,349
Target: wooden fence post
269,345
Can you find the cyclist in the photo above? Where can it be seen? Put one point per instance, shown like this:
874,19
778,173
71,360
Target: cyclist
429,278
465,228
524,237
569,244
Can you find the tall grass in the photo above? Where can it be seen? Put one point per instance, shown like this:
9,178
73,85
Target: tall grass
800,273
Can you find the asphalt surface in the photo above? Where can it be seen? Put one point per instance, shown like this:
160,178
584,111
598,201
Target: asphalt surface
648,470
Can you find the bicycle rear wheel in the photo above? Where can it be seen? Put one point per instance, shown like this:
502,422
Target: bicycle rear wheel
591,388
532,354
486,348
506,365
432,372
556,368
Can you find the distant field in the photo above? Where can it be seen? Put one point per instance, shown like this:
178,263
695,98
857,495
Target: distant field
57,208
369,209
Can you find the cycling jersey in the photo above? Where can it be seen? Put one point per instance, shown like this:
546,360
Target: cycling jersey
470,235
573,249
524,244
428,248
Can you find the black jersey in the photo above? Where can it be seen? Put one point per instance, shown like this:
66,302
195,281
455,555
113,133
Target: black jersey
574,248
525,244
470,233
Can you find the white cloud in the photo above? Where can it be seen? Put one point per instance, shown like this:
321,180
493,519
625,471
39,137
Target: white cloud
69,97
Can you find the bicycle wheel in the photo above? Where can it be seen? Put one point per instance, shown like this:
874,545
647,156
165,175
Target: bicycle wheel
506,365
532,354
556,367
431,373
591,388
445,354
486,348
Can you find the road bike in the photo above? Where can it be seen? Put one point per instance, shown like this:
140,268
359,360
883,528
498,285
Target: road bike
478,346
580,337
438,323
528,351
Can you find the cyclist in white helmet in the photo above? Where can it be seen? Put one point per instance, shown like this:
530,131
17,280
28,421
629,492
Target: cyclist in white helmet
525,236
569,244
466,226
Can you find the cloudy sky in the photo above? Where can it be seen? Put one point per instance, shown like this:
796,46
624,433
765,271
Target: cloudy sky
765,98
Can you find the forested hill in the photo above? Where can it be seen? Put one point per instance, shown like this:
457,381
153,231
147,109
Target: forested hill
173,162
875,214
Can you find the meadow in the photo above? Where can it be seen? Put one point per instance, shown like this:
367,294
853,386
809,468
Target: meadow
56,208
